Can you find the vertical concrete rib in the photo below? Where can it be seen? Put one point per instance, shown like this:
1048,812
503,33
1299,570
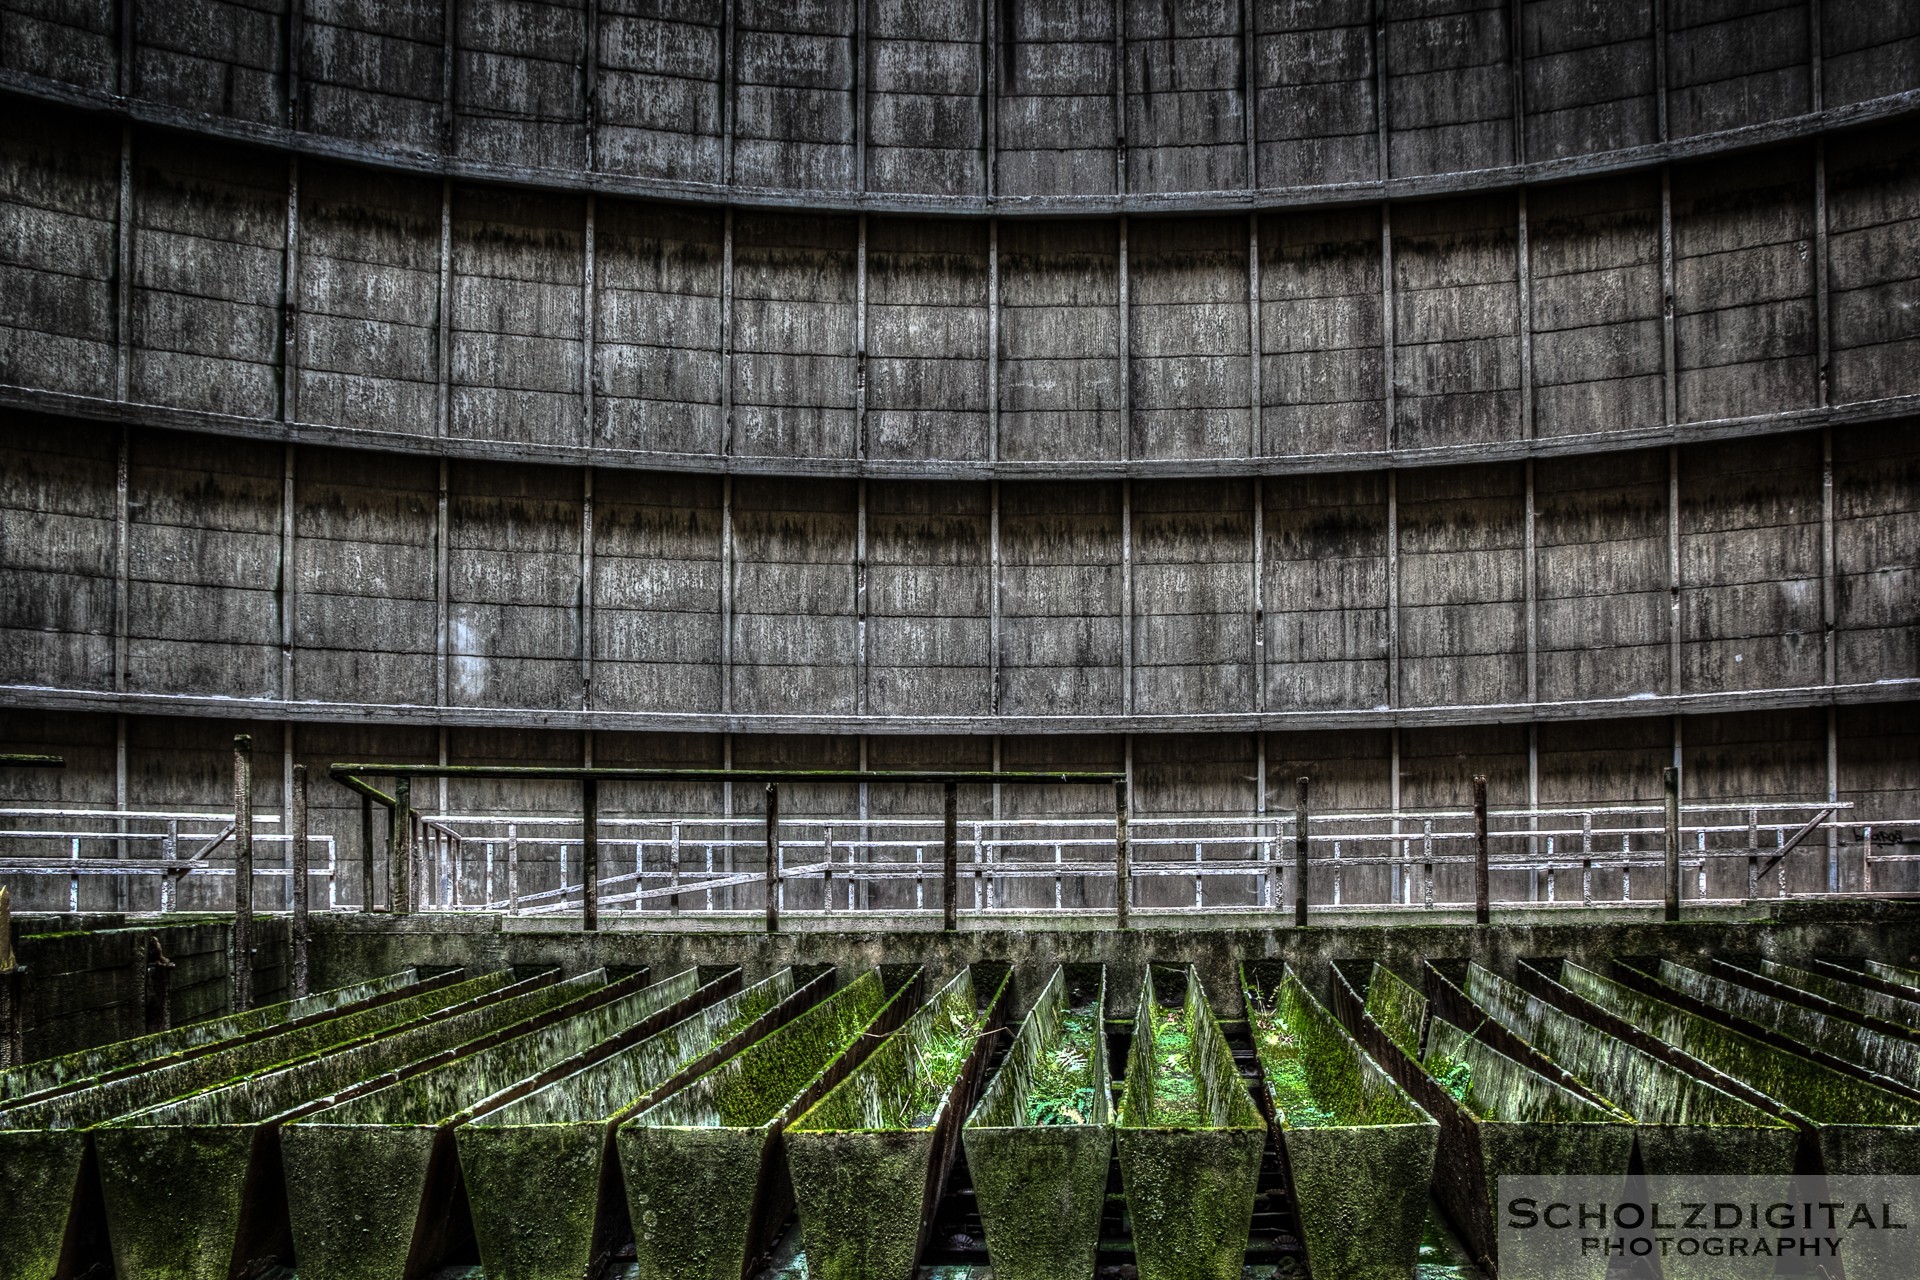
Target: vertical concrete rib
862,74
442,614
1822,287
1669,375
589,303
1660,73
1250,88
1393,588
860,341
726,598
989,97
1381,123
296,15
449,58
1524,316
1125,350
123,272
1674,592
728,94
1392,434
584,638
993,600
122,558
993,339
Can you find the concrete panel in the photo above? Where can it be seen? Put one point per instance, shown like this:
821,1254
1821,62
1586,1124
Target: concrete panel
1058,132
203,606
1594,253
1750,564
514,620
794,104
1188,333
1316,103
925,119
1325,592
1876,481
75,42
209,240
657,362
1873,205
1321,381
518,88
1462,586
927,342
57,513
371,70
365,626
795,628
657,587
1456,361
1868,49
1735,62
794,365
1590,77
212,57
1063,610
1600,539
1193,596
58,205
1743,285
516,317
1186,123
657,111
928,599
369,332
1449,86
1059,341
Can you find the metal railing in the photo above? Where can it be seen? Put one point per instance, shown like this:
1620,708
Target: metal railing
168,845
530,865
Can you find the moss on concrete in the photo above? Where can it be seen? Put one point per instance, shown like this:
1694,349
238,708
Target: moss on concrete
86,1064
1895,1058
1038,1143
1189,1180
1684,1125
868,1159
551,1147
1860,1127
704,1172
1359,1150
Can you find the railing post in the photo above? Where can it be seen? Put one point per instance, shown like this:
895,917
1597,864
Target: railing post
366,853
298,866
590,854
400,848
1122,854
773,857
1481,888
1300,853
170,851
242,964
950,856
1672,779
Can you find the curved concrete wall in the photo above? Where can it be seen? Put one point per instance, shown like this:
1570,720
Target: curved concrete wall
1404,391
222,289
974,100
